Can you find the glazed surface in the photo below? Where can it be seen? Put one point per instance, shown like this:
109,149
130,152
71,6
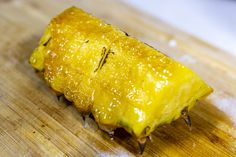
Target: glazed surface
120,80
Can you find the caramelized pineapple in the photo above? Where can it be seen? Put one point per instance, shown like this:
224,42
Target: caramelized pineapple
120,80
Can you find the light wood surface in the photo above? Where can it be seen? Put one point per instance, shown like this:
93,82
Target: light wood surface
34,123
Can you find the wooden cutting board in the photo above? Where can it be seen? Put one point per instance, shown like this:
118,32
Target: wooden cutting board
34,123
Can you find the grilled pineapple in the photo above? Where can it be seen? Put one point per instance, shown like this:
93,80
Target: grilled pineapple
120,80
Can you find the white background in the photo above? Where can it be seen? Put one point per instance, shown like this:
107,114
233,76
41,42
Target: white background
213,21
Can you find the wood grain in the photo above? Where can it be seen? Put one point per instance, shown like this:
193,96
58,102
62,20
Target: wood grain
34,123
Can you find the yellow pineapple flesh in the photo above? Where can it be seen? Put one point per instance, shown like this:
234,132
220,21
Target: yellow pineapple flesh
120,80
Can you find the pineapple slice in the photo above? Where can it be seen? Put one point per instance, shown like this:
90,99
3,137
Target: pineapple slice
120,80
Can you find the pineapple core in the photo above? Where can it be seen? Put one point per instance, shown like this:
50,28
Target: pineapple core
120,80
